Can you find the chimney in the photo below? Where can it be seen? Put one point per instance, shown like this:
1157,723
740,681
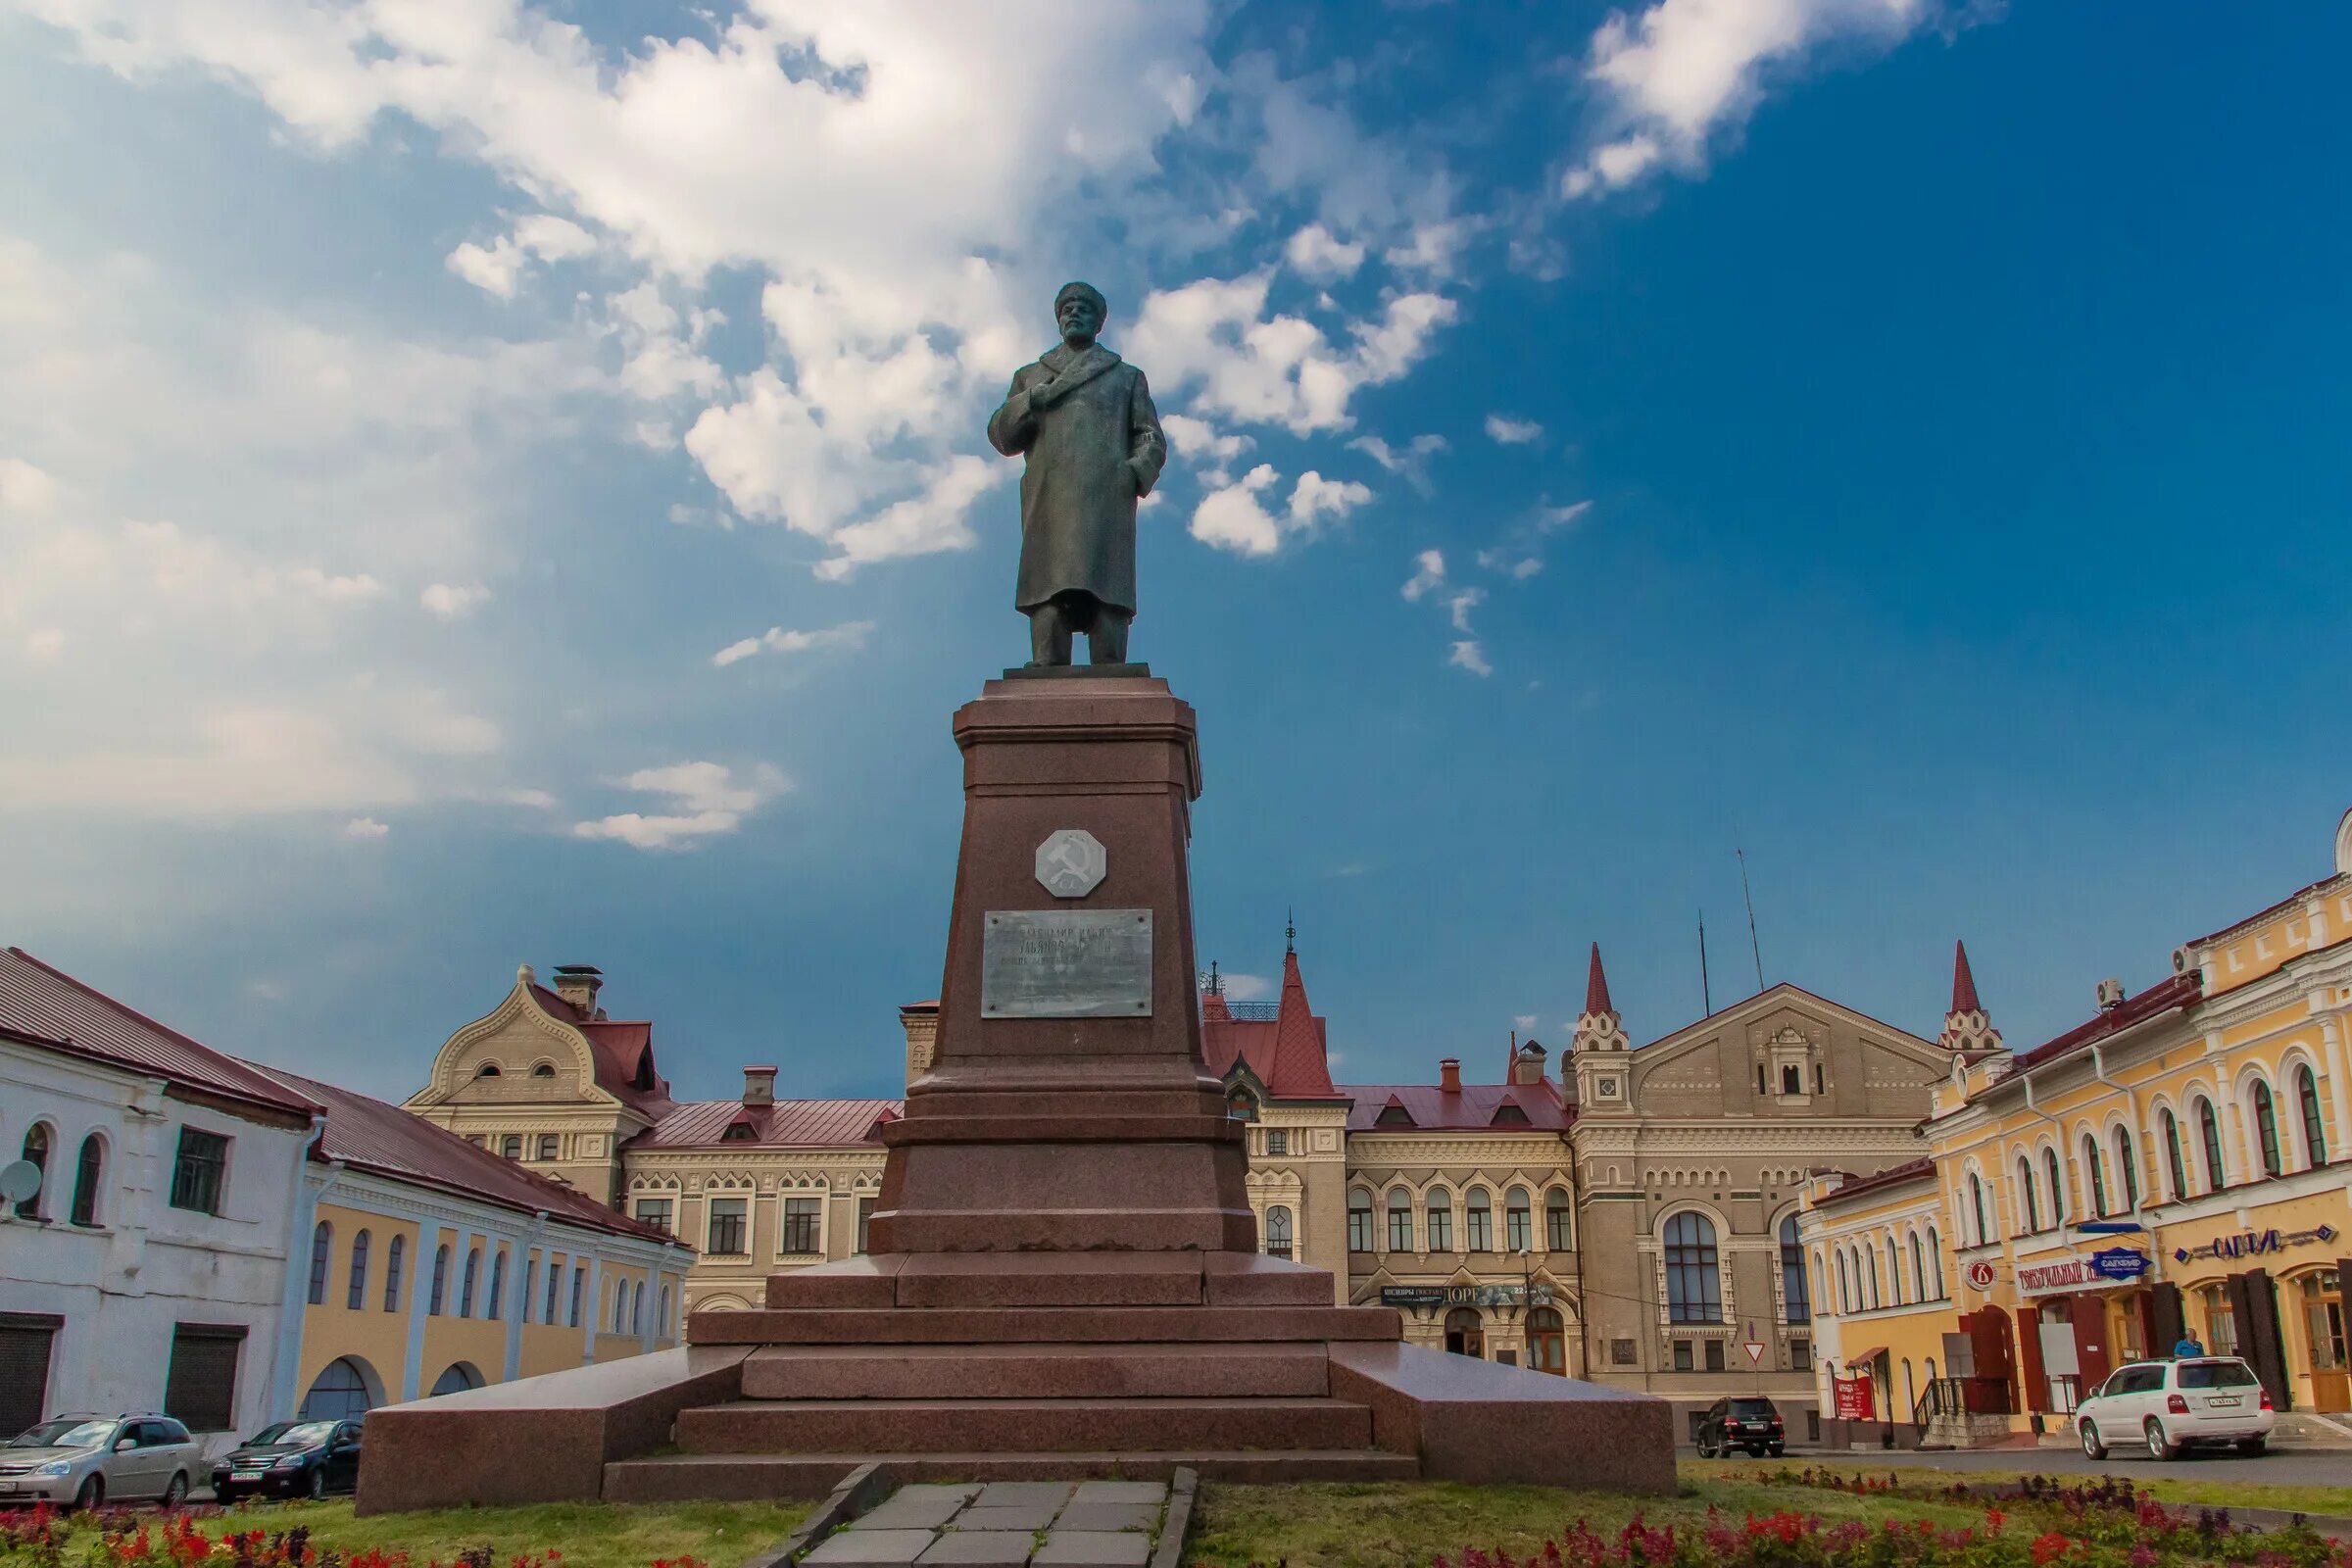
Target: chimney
1528,1067
578,984
759,1088
920,1020
1450,1074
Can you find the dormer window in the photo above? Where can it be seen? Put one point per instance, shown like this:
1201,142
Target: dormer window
737,1133
546,1069
488,1069
1395,1116
1240,1108
1508,1115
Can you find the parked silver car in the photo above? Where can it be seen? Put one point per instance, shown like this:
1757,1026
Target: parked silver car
87,1460
2171,1406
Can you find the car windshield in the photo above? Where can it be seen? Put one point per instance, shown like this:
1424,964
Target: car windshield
66,1432
2216,1374
291,1435
1747,1407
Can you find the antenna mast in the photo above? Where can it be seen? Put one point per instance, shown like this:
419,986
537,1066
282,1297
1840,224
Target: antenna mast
1752,944
1706,997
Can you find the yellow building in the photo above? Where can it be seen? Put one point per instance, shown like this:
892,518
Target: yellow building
2175,1164
1882,1281
434,1264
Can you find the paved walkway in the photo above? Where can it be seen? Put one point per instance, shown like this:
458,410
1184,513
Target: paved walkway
1006,1524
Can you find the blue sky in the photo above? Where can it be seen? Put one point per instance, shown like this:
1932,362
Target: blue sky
489,483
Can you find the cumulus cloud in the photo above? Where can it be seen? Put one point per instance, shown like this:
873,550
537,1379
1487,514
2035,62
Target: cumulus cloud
1409,463
497,268
1468,654
1429,581
704,800
1204,446
850,634
453,602
1235,516
1461,602
365,827
1246,987
1317,253
1683,71
1428,575
1510,432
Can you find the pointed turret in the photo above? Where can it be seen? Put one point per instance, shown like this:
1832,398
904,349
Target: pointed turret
1600,1028
1212,997
1967,1026
1299,1065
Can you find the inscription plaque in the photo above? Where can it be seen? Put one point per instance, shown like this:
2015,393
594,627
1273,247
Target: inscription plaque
1066,963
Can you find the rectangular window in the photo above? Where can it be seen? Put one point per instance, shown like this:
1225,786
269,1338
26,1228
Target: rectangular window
1479,1227
800,1224
1681,1355
547,1145
198,1173
1401,1229
1791,1082
726,1226
1360,1223
865,1215
201,1388
1556,1235
1440,1227
1800,1356
1818,1080
530,1288
1515,1228
1278,1140
1714,1356
653,1212
555,1282
579,1284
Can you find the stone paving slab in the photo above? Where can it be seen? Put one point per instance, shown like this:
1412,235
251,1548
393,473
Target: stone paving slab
872,1548
1154,1492
1085,1515
1031,1516
1024,1494
1093,1549
922,1508
980,1549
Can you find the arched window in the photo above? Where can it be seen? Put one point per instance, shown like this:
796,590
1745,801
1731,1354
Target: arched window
1439,1205
395,1257
322,1246
2171,1157
1547,1341
2049,1168
89,1174
497,1284
1936,1260
1875,1299
473,1267
2094,1172
340,1393
1795,1297
2265,1129
1401,1221
512,1145
36,1155
637,1308
666,1305
440,1293
1919,1271
1693,1288
579,1284
1558,1234
2126,1161
555,1282
488,1069
455,1379
2315,1138
2032,1202
1517,1233
1976,1203
1894,1274
1845,1283
356,1297
1478,1223
1278,1232
1359,1220
545,1069
530,1288
2209,1131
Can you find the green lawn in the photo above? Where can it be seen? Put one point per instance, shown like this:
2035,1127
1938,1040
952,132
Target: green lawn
2334,1502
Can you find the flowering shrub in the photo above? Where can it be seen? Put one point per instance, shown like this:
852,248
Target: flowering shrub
118,1538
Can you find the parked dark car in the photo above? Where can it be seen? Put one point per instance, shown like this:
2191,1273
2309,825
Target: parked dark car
290,1459
1749,1422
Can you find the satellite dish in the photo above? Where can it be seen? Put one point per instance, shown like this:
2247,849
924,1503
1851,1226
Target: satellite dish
19,1181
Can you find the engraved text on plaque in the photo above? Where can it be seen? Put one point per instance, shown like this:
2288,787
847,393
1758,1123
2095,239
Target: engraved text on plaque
1066,963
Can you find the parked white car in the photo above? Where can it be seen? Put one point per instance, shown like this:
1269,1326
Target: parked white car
2171,1406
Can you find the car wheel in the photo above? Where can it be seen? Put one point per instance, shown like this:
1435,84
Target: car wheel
2159,1448
314,1486
92,1495
1755,1453
2254,1446
1778,1451
177,1492
2092,1447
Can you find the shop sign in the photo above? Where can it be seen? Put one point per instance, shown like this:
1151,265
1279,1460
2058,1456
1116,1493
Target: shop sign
2119,1263
1853,1396
2067,1274
1430,1296
1982,1274
2254,1243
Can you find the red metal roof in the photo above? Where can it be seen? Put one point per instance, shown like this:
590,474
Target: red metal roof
786,1124
1288,1052
1596,986
1892,1176
370,1135
1473,1109
622,1049
1964,981
48,1004
2174,994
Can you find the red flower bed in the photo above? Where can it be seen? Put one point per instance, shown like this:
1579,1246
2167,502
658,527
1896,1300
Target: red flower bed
40,1538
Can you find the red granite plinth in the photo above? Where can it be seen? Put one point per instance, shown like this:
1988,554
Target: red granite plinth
1069,1134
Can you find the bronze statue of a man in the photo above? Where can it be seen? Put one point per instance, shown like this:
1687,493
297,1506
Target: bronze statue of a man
1084,418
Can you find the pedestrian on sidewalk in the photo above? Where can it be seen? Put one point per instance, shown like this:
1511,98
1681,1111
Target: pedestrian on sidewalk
2187,1345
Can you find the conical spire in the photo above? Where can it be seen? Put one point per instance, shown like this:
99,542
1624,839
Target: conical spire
1964,983
1298,1066
1596,986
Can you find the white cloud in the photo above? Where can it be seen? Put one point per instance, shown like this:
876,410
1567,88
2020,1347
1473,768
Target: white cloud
706,800
1314,498
851,634
1461,602
1510,432
25,490
1683,69
497,268
1217,335
1524,1021
1204,446
1428,575
1234,519
44,644
451,601
1431,250
1316,252
1246,987
365,827
1411,464
1520,554
1470,656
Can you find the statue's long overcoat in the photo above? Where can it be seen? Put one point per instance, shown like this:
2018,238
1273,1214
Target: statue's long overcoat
1092,456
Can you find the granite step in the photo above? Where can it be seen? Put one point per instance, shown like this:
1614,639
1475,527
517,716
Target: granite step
1021,1426
1041,1325
757,1477
953,1280
1033,1371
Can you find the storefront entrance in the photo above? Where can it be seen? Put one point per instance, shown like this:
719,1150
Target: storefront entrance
1463,1333
1547,1342
2320,1296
